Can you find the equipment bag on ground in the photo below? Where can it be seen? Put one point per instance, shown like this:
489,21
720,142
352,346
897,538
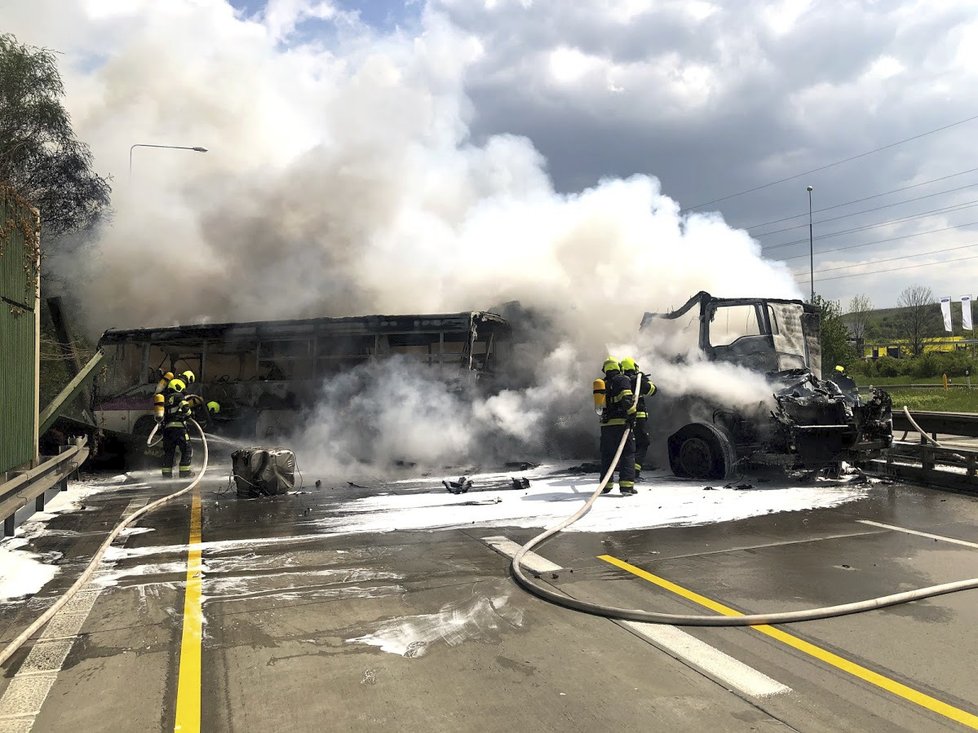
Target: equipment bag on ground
263,471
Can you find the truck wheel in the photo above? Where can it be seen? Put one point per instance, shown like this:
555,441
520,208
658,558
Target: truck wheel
701,451
139,454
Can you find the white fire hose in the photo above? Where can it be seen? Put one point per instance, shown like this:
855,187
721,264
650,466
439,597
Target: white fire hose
653,617
27,633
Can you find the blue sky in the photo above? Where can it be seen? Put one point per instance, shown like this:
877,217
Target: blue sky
382,14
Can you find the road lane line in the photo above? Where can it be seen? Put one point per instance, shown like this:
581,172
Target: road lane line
27,691
698,654
919,533
188,679
531,560
767,545
709,660
846,665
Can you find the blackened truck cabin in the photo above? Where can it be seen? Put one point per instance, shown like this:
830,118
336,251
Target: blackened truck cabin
809,422
263,373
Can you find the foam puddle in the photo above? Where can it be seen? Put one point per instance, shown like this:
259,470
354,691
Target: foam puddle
24,573
662,501
480,617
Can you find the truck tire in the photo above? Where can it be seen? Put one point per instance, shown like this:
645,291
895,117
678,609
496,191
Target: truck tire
139,454
701,451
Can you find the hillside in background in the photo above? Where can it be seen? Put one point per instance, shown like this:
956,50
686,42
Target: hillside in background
885,323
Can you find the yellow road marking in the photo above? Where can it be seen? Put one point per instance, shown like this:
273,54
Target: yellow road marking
188,681
867,675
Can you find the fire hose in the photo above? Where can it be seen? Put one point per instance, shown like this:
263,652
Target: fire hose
923,434
652,617
86,575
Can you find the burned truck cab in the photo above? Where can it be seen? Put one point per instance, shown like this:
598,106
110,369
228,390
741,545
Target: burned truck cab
807,422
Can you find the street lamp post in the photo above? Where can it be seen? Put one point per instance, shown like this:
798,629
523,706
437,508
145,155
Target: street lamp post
196,149
811,240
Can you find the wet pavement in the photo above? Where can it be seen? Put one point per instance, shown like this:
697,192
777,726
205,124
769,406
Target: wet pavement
381,608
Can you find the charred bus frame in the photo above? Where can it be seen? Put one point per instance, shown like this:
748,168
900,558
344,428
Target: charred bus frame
263,366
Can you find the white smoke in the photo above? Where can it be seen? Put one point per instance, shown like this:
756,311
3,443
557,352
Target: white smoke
341,180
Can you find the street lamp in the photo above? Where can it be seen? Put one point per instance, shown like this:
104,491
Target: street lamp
196,149
811,240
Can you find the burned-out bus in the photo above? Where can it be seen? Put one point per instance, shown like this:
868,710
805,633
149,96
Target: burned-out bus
263,372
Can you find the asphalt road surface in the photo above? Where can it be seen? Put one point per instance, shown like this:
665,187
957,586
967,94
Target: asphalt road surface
355,609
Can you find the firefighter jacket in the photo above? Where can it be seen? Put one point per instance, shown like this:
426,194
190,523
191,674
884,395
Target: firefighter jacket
648,389
176,411
619,399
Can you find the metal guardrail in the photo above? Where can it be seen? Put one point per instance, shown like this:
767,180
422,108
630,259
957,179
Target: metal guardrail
16,492
943,423
949,468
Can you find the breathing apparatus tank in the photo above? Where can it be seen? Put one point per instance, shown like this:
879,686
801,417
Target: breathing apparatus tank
599,399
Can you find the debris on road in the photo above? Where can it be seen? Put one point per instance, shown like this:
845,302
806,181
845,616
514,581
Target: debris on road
464,484
458,487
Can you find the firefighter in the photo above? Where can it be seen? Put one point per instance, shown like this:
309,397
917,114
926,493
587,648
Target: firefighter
641,431
201,411
617,417
173,417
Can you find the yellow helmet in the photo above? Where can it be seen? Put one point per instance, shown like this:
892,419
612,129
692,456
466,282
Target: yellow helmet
177,385
188,377
611,365
213,407
628,365
840,369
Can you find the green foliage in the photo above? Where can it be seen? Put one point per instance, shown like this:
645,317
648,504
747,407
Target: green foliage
39,154
834,334
930,367
887,366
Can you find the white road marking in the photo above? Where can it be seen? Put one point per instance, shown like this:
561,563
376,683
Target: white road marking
919,534
698,654
531,560
708,660
27,691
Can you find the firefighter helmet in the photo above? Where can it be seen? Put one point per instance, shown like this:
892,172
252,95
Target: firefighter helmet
611,365
213,407
188,377
840,369
176,385
628,365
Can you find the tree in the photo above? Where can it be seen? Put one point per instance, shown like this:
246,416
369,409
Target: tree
39,154
834,334
917,319
858,317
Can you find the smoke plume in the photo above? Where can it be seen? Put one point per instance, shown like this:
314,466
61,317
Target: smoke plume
341,179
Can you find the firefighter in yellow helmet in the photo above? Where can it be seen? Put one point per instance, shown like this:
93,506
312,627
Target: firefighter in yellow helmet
175,415
616,418
642,439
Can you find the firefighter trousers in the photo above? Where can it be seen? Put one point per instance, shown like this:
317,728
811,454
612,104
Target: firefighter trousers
174,438
642,443
610,438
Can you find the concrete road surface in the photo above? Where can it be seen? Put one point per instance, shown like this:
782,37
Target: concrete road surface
390,607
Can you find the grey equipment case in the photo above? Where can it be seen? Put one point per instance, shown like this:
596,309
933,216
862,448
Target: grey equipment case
263,471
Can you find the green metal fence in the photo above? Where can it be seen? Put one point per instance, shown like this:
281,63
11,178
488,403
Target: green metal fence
19,313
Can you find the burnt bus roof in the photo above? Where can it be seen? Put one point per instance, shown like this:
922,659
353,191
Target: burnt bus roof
276,330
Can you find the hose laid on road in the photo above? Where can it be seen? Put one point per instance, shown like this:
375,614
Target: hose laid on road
652,617
27,633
